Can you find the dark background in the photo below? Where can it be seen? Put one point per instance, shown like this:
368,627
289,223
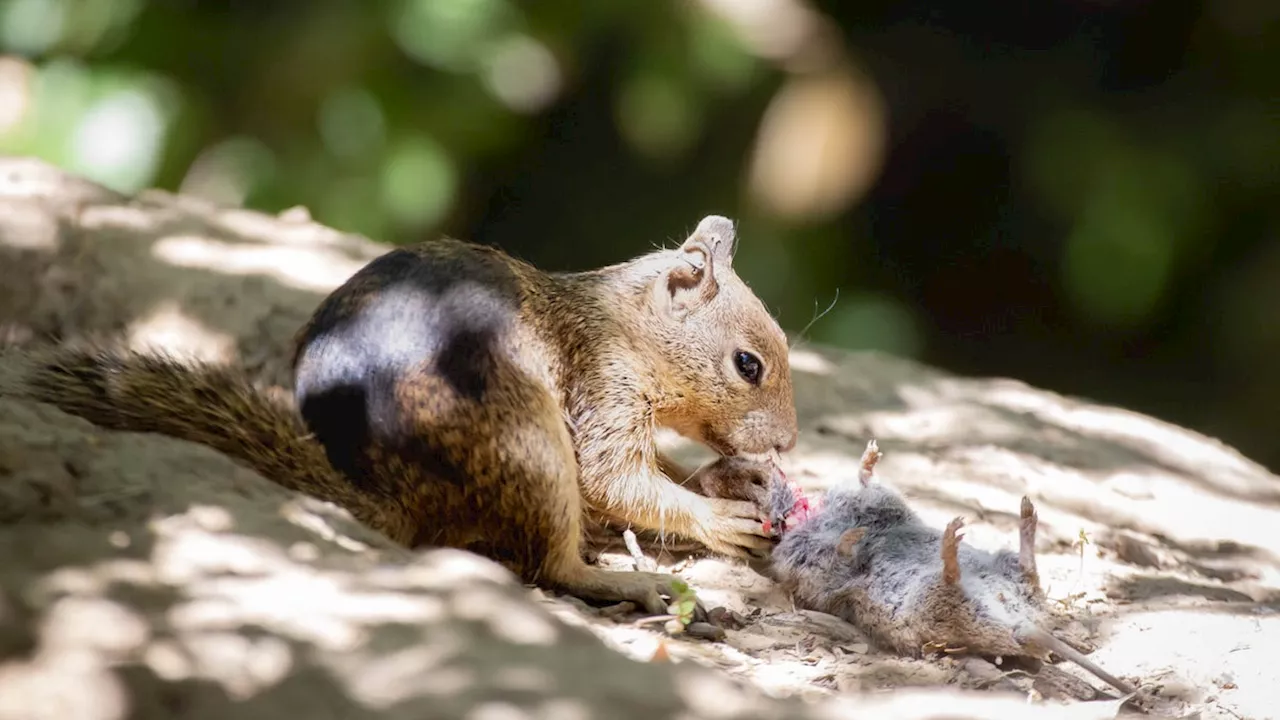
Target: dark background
1078,193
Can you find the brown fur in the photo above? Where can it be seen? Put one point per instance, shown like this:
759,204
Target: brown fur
216,406
494,403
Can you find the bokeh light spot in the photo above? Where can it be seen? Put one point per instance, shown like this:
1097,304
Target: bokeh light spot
118,141
351,123
448,34
31,26
419,182
1117,264
655,115
523,74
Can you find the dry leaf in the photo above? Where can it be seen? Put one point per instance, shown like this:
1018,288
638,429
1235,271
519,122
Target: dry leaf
660,653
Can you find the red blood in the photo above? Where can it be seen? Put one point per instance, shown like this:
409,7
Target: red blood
802,509
768,526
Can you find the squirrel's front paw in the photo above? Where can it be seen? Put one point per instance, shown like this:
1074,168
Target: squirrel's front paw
759,483
735,528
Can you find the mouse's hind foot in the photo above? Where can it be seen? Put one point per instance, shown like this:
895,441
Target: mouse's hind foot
951,538
867,465
1027,543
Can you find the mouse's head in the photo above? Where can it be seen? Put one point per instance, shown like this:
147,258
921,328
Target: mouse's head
787,505
763,484
725,361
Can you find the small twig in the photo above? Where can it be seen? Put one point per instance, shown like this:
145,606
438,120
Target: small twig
653,619
1082,539
643,563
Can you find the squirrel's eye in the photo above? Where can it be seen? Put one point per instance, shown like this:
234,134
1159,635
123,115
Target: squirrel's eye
748,366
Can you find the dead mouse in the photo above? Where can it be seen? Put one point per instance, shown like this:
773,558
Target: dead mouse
865,556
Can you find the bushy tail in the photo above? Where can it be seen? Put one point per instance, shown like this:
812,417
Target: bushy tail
209,404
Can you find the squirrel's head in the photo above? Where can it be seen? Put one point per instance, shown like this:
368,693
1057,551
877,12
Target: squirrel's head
725,355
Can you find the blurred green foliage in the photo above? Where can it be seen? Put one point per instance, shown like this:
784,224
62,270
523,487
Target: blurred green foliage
1085,196
368,113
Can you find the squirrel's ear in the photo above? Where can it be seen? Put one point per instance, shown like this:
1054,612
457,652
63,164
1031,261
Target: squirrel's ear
716,233
691,280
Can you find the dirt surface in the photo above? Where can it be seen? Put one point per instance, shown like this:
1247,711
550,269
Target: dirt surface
1175,584
147,577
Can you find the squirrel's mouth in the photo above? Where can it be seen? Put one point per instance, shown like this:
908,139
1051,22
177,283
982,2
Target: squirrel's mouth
766,458
725,446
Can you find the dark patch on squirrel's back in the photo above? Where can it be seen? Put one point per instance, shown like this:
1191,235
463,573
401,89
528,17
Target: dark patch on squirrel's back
441,307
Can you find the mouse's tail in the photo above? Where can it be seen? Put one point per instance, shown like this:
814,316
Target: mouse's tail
1032,634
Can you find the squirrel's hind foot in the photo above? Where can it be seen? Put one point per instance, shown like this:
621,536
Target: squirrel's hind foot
645,589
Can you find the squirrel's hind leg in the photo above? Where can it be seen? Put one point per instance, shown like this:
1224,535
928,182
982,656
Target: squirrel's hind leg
516,497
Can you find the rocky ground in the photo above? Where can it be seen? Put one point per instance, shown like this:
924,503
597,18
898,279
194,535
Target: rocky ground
147,577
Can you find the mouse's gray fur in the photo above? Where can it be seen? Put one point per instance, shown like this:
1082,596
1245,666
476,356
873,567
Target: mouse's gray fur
867,557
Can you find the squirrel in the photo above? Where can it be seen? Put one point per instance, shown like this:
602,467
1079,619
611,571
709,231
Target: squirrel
449,394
